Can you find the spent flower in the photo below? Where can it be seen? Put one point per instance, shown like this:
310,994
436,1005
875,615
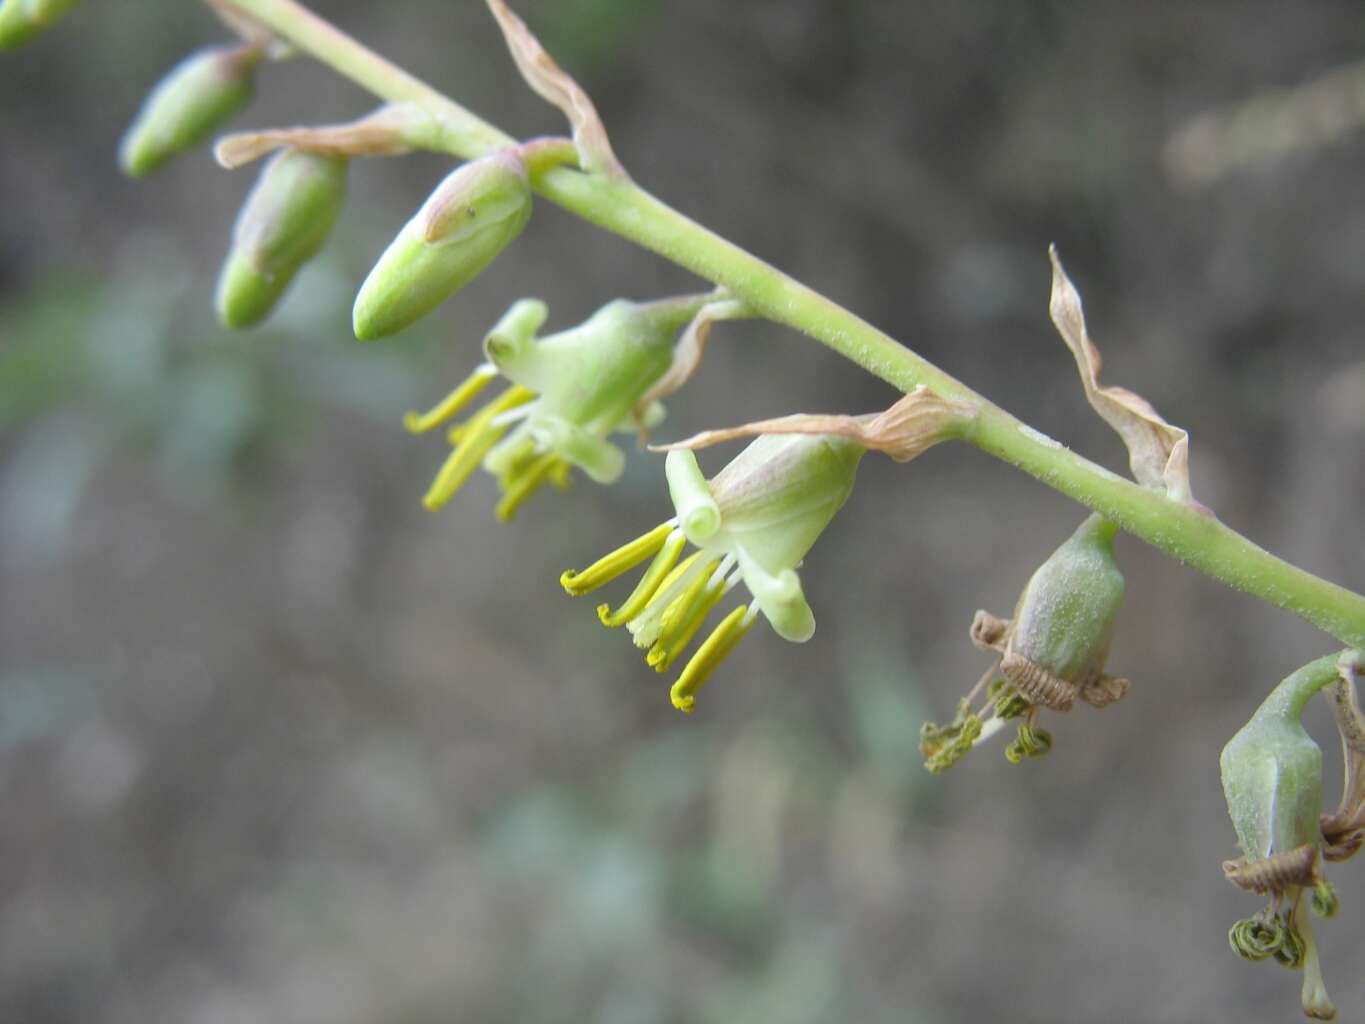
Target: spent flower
1272,778
1050,654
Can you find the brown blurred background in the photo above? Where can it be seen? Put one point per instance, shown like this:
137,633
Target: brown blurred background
277,746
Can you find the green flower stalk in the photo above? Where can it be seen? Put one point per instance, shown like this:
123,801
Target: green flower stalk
472,216
23,20
1050,654
1272,778
194,100
753,522
569,392
285,221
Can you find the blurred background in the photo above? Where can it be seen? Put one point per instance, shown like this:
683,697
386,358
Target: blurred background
278,746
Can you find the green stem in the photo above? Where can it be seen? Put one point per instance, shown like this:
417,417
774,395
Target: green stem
1186,532
1288,699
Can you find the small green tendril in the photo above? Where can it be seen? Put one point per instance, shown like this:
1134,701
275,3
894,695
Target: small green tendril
943,746
1323,900
1007,701
1259,937
1293,949
1030,742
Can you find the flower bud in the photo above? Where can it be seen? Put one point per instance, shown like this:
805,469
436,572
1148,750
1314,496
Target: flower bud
22,20
284,222
198,95
470,218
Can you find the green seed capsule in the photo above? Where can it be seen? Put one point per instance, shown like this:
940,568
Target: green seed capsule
198,95
22,20
1065,618
284,222
470,218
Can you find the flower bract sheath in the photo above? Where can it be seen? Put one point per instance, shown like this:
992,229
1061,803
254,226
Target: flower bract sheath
753,523
21,20
197,97
569,392
472,216
284,222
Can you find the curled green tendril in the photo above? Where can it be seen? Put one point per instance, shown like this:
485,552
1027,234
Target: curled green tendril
1323,900
1255,938
1012,706
1031,742
1293,949
943,746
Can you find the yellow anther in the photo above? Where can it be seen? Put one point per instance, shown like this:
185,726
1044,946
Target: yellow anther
689,629
511,398
644,628
509,459
684,618
668,588
710,654
649,583
420,423
624,558
525,484
561,476
479,436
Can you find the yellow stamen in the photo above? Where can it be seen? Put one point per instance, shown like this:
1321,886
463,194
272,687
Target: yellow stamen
644,629
684,617
420,423
649,583
480,435
624,558
525,485
562,476
509,459
709,655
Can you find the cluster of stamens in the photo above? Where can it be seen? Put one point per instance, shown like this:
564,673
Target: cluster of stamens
670,604
519,464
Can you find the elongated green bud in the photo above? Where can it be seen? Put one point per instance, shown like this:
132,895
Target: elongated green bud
22,20
470,218
198,95
284,222
1065,618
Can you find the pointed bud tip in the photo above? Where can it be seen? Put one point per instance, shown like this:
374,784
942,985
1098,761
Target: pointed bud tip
244,297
